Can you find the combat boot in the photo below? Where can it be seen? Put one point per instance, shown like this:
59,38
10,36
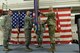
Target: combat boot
52,47
7,49
39,46
28,49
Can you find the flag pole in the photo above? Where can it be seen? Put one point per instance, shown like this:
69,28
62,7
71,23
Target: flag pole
78,27
36,7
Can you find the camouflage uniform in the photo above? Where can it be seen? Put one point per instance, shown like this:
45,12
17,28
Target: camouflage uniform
27,29
51,22
7,26
39,32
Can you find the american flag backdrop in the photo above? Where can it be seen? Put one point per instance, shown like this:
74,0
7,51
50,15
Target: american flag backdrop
63,23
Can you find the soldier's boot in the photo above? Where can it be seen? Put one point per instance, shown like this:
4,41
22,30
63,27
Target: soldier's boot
7,49
52,49
39,45
28,49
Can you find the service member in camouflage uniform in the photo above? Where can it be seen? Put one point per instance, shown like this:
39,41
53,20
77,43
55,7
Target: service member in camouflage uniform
40,32
27,29
7,26
51,22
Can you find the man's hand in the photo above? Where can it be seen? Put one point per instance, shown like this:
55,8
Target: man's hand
38,10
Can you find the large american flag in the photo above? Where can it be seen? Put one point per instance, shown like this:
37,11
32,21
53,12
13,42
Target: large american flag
63,21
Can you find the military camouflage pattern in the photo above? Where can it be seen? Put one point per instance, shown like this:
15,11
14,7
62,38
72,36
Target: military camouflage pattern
51,22
7,26
28,24
40,32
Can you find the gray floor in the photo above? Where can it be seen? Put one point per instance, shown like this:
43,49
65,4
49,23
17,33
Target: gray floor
64,48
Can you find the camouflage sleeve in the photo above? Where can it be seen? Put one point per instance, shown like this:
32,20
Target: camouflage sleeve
44,14
28,18
4,21
26,23
54,16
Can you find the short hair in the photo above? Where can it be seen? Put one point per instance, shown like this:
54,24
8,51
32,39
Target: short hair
28,11
9,10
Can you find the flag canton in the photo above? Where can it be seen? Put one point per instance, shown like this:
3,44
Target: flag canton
18,18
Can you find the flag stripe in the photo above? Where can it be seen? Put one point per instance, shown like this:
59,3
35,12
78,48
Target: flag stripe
65,20
66,33
66,30
65,17
65,36
62,15
64,12
64,25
